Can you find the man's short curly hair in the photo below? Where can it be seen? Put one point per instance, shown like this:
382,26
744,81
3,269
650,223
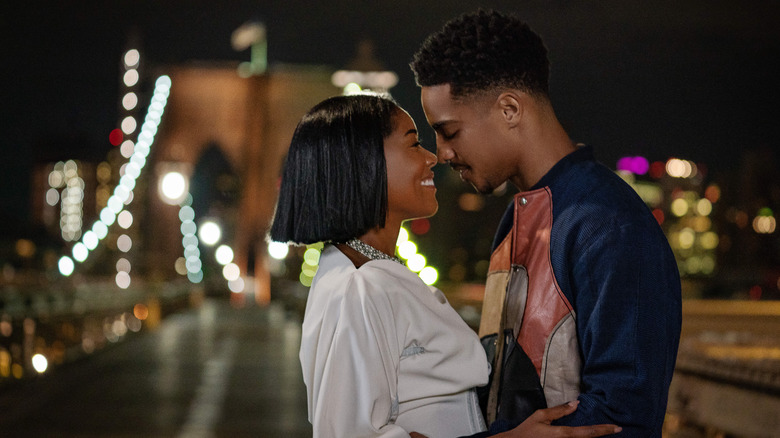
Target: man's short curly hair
482,51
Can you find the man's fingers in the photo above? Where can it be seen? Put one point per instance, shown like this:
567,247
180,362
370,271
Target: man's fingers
546,416
549,414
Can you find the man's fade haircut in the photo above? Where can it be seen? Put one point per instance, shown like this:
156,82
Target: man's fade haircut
334,182
482,51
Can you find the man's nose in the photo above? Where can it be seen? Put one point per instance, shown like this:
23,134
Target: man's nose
444,154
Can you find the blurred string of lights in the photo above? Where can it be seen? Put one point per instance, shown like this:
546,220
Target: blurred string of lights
209,233
190,264
174,190
405,248
130,79
66,176
67,187
122,195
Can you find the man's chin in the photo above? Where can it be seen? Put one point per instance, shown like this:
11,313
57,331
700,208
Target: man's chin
483,189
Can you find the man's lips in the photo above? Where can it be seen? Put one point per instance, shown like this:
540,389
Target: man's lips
460,168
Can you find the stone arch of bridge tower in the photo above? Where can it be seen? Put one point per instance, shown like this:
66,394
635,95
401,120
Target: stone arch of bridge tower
250,122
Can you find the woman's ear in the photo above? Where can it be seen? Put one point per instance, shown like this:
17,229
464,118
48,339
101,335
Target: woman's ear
511,106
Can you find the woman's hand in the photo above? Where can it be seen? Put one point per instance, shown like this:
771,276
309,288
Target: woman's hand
539,425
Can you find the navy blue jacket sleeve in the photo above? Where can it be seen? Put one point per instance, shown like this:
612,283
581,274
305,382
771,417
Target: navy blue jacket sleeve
625,289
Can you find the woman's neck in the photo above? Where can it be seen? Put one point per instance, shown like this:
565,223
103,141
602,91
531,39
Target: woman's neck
383,239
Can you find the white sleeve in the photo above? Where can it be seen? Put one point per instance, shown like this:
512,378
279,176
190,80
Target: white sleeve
357,394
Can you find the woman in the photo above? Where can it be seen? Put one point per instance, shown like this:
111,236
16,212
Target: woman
382,353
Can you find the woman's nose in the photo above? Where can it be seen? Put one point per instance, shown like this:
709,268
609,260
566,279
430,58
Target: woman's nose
430,159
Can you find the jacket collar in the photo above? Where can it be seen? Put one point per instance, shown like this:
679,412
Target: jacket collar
582,153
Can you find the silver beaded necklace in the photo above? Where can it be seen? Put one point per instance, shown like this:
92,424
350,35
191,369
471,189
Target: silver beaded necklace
369,251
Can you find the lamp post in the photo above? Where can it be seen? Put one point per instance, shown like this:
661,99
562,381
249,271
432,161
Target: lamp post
364,72
251,35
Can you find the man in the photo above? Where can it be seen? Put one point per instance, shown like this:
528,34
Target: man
594,302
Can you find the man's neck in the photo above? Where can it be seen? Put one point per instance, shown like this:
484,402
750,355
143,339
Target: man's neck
544,147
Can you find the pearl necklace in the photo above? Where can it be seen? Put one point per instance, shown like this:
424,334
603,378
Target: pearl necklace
369,251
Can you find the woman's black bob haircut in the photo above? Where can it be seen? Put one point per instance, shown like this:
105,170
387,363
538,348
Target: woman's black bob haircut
334,183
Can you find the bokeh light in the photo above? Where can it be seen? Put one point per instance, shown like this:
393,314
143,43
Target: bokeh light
311,256
636,165
40,363
210,233
407,249
224,255
129,101
122,279
679,207
429,275
124,243
66,265
131,77
129,125
125,219
132,57
278,250
173,187
231,272
416,262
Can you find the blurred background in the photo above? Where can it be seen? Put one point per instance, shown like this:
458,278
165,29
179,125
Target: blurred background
142,144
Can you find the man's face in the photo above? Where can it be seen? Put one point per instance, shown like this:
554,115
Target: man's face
470,136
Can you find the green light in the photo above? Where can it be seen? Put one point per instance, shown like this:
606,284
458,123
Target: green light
403,236
305,279
312,256
352,88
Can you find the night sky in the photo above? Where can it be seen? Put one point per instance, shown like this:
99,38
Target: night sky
695,79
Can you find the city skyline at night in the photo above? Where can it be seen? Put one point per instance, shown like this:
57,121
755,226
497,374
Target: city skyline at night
641,84
694,80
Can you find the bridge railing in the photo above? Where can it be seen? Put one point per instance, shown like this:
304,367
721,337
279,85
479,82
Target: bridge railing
45,325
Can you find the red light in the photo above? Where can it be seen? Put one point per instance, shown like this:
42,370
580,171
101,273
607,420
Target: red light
420,226
712,193
659,215
755,292
657,169
115,137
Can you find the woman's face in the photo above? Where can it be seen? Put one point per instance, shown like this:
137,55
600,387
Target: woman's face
410,190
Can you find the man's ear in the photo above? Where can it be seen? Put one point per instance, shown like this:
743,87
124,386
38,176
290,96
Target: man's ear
511,106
